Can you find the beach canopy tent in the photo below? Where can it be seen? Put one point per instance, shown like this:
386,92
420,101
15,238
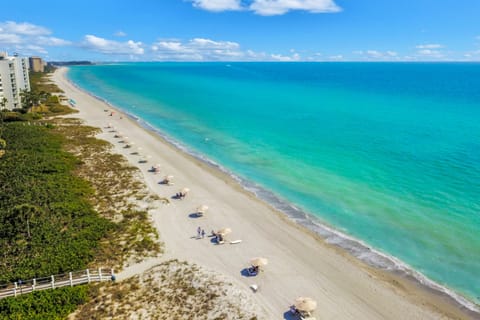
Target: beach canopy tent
259,262
305,304
202,209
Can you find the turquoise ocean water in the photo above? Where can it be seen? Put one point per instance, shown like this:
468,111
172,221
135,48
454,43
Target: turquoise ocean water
386,153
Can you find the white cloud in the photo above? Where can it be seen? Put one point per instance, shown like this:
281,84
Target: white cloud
218,5
268,7
106,46
337,57
120,34
23,28
27,38
34,48
199,49
52,41
209,44
10,38
291,58
169,45
377,55
278,7
430,54
429,46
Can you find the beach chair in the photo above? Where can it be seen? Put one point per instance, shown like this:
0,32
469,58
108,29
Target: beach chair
304,315
252,271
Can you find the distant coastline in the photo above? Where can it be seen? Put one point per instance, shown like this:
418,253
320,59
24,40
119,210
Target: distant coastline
71,63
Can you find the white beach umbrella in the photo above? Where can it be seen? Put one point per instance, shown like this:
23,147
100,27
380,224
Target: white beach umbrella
202,209
259,262
305,304
185,190
224,231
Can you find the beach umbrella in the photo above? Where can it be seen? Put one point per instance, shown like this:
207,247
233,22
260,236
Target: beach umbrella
305,304
224,231
169,177
185,190
202,209
259,262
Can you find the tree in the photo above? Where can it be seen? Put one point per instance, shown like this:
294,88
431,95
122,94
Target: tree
33,98
3,103
25,213
3,145
29,99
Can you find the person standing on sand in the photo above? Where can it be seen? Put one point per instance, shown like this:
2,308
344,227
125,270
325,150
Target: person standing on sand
199,232
203,233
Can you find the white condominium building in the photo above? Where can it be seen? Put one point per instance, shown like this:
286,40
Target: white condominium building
13,80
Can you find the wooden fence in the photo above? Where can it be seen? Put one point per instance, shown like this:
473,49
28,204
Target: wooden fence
56,281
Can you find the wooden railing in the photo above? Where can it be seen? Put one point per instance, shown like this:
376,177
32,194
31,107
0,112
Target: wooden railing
56,281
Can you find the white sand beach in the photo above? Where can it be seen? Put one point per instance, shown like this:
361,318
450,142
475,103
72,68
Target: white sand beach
299,262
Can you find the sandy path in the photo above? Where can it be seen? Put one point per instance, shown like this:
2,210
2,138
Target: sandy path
299,264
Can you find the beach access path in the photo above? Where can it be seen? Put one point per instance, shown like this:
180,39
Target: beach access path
300,263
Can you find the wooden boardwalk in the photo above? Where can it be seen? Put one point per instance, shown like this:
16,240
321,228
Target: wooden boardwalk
56,281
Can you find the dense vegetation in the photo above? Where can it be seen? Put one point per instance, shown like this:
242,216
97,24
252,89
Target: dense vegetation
55,304
65,204
47,224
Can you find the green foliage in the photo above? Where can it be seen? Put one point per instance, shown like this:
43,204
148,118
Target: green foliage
51,304
39,82
20,115
47,223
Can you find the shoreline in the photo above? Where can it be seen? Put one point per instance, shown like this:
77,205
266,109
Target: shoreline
431,298
354,247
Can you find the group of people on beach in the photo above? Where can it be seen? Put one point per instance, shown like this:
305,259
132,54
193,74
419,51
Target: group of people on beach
218,237
180,195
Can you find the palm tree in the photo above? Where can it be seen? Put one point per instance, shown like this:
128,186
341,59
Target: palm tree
25,213
3,103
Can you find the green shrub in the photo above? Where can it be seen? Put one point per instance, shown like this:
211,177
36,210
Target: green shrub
50,304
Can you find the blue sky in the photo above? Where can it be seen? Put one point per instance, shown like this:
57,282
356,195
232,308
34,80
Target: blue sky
243,30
